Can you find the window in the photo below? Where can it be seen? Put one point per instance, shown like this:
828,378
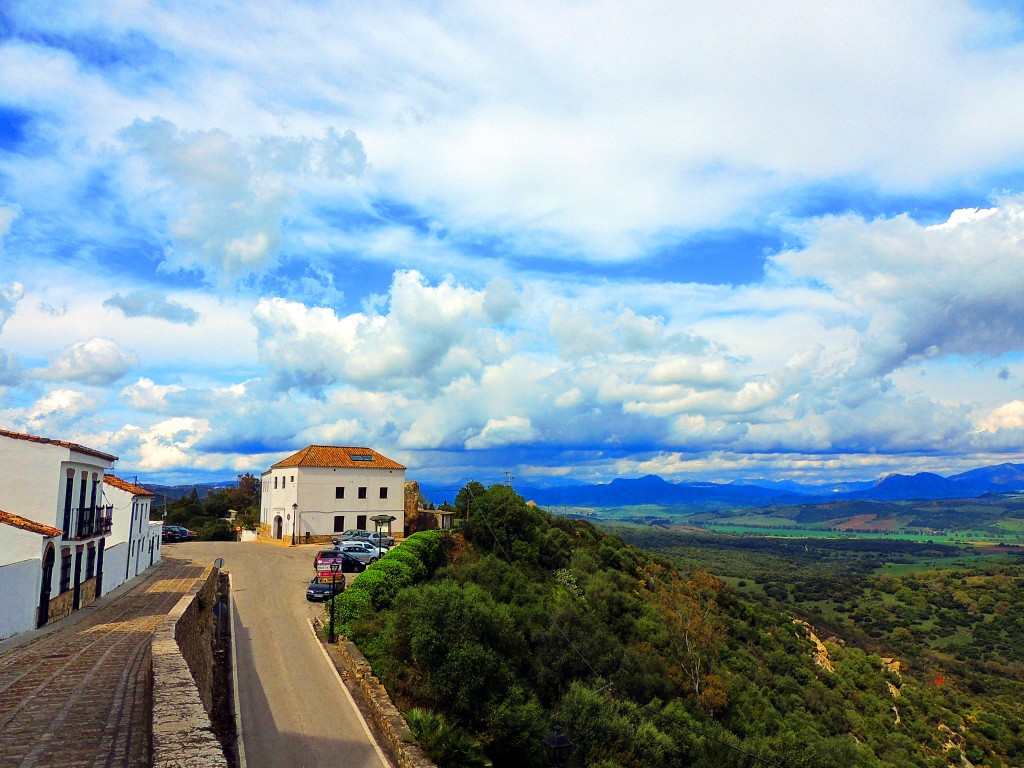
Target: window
339,523
90,562
362,492
275,483
383,492
68,489
65,570
360,457
293,478
339,492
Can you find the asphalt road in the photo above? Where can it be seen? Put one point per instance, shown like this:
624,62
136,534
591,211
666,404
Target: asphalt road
294,709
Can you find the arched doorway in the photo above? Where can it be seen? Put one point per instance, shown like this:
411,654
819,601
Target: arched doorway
44,590
278,527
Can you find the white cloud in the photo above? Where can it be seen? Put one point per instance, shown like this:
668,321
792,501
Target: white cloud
9,297
145,395
225,199
507,431
96,361
146,303
916,291
1006,416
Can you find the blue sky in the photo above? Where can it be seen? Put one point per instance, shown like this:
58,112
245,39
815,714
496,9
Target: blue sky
558,239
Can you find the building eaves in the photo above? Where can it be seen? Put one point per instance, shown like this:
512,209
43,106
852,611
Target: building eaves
62,443
17,521
124,485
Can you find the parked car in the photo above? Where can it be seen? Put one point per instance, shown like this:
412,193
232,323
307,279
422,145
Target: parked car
349,564
382,538
352,534
320,587
364,553
167,536
182,533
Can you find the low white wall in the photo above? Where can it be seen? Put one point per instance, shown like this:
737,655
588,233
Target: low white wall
19,596
114,560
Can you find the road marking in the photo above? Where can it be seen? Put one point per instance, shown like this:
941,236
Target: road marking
348,695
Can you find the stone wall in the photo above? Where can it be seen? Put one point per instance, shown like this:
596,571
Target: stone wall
183,681
412,499
388,721
60,606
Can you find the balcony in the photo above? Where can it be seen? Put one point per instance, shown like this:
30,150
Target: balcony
93,521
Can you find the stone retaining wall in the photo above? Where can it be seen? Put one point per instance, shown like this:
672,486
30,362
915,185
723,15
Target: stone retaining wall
388,721
183,681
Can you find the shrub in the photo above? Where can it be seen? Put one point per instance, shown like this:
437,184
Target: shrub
445,744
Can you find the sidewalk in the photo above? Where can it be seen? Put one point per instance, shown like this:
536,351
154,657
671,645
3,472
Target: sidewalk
78,692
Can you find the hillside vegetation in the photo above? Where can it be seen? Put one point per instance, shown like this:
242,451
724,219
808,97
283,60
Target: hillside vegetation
490,637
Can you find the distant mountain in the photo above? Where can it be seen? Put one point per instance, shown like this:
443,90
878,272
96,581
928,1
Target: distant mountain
652,489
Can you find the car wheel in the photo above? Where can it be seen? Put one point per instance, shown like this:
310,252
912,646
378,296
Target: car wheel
373,560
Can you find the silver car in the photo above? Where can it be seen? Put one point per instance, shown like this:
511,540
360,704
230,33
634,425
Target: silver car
364,553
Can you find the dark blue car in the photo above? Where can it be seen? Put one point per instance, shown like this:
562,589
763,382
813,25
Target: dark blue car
319,588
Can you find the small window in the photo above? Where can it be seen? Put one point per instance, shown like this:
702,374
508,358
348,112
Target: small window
339,492
360,457
339,523
383,492
293,478
362,492
65,570
275,483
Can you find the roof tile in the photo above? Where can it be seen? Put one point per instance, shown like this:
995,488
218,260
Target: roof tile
124,485
337,456
29,525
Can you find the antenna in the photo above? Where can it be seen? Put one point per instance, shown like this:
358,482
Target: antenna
508,479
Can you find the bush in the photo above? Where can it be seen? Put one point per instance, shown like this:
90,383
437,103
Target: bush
444,743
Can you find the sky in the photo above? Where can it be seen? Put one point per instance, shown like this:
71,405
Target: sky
560,239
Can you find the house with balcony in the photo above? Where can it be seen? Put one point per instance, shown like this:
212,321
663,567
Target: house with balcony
323,490
53,485
134,542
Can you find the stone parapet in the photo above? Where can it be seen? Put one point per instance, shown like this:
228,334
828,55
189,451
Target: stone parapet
387,720
182,681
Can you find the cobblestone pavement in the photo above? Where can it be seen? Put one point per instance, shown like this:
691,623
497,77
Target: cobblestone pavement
81,696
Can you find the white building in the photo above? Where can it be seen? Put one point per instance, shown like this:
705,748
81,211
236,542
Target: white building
326,489
134,541
58,485
24,545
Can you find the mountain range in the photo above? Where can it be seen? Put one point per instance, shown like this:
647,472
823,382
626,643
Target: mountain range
651,489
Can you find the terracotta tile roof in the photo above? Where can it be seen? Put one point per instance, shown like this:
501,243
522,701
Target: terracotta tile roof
29,525
62,443
338,456
124,485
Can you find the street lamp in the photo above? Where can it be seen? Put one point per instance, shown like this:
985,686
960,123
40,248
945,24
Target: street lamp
295,515
380,521
558,746
334,576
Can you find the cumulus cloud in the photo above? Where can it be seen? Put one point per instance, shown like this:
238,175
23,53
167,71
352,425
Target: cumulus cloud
10,295
145,303
506,431
225,199
97,362
145,395
57,412
915,291
420,335
1006,416
168,444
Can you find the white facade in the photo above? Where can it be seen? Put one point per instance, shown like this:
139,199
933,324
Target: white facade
134,541
22,548
57,485
323,490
